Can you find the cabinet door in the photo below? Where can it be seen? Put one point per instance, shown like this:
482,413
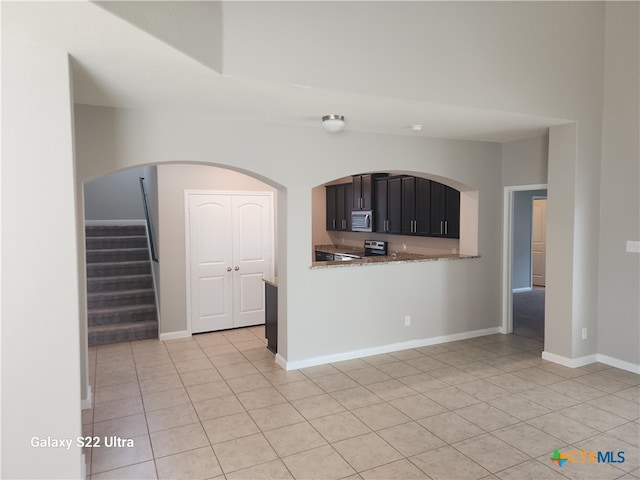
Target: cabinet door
380,211
364,192
357,192
423,206
445,211
437,209
367,192
348,205
408,205
452,229
341,219
331,205
394,205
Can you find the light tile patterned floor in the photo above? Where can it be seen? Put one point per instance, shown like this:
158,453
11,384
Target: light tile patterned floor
216,406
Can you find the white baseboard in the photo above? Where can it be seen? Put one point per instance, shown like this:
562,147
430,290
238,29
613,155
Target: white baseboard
281,361
174,335
393,347
589,359
87,402
569,362
93,223
621,364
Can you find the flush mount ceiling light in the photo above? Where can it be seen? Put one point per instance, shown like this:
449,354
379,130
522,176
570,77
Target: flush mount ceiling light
333,123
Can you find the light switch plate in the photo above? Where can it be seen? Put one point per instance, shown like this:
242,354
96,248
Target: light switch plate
633,246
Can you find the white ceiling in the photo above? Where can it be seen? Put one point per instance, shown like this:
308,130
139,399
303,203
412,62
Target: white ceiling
118,65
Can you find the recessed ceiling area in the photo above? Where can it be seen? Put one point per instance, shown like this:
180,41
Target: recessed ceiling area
117,64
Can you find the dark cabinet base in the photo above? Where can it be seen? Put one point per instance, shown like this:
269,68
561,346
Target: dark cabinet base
271,316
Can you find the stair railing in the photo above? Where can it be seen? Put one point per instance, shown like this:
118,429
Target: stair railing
145,204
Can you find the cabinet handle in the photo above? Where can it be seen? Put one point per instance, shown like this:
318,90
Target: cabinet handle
441,231
334,223
446,227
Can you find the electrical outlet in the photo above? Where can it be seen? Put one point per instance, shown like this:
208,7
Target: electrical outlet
407,320
584,333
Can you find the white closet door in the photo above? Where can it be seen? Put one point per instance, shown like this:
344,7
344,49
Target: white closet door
231,250
252,253
211,280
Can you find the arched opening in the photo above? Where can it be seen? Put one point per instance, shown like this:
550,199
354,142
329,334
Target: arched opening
115,198
409,241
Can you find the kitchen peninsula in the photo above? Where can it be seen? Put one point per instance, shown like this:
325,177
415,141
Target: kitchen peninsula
356,257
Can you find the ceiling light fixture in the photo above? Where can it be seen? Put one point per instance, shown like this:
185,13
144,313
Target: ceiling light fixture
333,123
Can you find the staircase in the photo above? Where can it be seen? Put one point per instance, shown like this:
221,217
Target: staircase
120,296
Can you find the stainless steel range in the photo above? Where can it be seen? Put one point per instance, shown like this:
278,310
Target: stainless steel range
375,247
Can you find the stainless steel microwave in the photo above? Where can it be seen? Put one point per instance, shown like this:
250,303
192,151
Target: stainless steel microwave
362,221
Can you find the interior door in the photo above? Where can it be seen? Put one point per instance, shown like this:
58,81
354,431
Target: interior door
230,250
252,256
210,243
539,245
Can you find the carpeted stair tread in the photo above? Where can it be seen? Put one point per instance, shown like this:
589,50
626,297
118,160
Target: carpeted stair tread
114,230
102,255
115,269
119,283
122,314
122,332
114,299
113,241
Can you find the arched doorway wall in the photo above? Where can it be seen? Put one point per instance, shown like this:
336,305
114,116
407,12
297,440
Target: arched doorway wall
166,183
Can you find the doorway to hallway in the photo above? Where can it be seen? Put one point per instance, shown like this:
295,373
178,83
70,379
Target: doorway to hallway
524,261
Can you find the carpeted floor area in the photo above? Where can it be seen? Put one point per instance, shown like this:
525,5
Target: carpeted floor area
528,314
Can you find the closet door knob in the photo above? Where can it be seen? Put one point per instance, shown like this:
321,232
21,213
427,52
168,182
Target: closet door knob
237,268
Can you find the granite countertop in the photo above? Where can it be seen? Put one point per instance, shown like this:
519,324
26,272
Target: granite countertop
394,257
271,281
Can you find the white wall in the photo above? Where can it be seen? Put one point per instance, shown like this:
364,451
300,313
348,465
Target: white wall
40,318
115,197
525,162
194,28
619,276
560,322
173,180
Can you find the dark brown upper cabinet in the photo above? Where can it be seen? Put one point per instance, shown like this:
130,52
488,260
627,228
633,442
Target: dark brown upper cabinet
363,190
445,211
416,203
388,207
338,206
